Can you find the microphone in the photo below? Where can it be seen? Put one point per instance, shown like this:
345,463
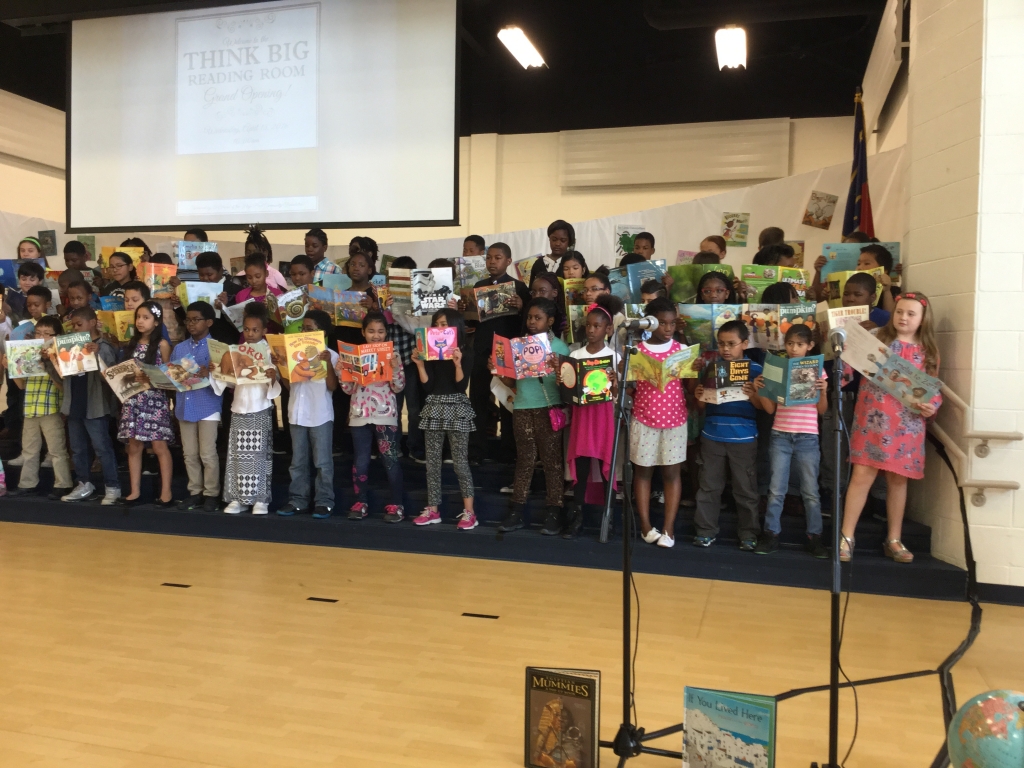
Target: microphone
837,338
649,323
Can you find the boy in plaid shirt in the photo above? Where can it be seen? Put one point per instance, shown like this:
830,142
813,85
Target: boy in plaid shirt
43,398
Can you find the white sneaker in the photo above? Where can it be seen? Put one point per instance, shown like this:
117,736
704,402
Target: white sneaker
658,496
81,492
235,508
259,508
47,461
110,496
666,541
651,536
506,489
17,461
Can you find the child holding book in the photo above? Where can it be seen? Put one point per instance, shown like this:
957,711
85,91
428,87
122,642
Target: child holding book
300,271
410,397
199,414
250,436
888,435
794,442
592,427
447,413
311,417
531,421
36,304
42,421
572,266
146,417
30,274
89,406
257,288
729,439
122,271
657,434
373,416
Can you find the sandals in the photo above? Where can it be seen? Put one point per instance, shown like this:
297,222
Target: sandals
894,549
846,545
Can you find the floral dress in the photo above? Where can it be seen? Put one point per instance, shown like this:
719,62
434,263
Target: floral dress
147,416
886,434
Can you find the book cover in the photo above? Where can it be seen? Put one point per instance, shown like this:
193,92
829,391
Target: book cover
336,281
563,718
524,357
125,381
794,314
276,343
158,277
625,237
696,319
435,343
685,257
678,365
618,278
837,285
762,321
302,351
828,318
735,228
67,325
573,290
191,291
790,381
724,380
9,273
25,359
843,257
724,728
323,299
576,324
641,272
89,241
348,309
400,289
70,358
524,267
22,330
288,308
891,373
495,301
820,210
182,375
798,252
250,363
469,270
236,313
187,250
686,277
385,262
221,367
365,364
585,382
48,240
112,303
431,289
236,264
124,324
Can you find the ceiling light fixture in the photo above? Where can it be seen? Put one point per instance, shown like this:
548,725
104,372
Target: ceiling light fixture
519,45
731,43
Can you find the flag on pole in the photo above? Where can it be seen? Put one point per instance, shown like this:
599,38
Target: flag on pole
858,201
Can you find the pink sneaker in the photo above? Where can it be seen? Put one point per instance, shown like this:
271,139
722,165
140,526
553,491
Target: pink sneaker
358,511
426,517
467,521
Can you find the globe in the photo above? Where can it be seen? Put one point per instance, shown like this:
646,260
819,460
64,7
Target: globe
988,732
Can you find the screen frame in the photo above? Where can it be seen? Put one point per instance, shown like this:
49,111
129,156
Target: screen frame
72,229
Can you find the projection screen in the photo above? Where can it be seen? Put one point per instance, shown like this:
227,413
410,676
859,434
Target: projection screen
340,112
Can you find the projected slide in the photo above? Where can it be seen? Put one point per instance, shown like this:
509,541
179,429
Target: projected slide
277,113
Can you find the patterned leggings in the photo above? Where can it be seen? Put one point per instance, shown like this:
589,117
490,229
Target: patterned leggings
459,442
534,435
387,443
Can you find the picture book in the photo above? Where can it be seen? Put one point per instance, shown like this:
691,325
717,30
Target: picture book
735,228
134,252
119,325
365,363
524,267
798,252
574,290
495,301
236,313
576,324
378,280
125,380
685,257
69,356
563,718
385,262
112,303
302,351
843,257
288,308
625,237
790,380
890,372
9,273
89,241
184,375
48,240
24,358
469,270
587,381
276,343
431,289
618,278
336,281
435,343
678,365
157,277
524,357
251,362
724,379
686,277
828,318
22,330
794,314
320,298
639,273
236,264
837,285
192,290
187,250
67,325
762,321
757,277
348,308
820,210
725,728
400,289
221,367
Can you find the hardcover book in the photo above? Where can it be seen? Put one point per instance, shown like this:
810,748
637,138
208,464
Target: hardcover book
348,308
70,357
524,267
702,321
678,365
190,291
724,380
400,289
762,321
187,250
576,324
288,308
685,278
125,381
25,359
757,277
435,343
469,270
585,382
250,363
843,257
563,718
322,299
22,330
837,285
157,277
495,301
221,367
336,281
303,353
791,380
891,373
365,363
119,325
618,278
182,375
639,273
723,728
431,289
799,314
573,290
236,313
524,357
112,303
276,343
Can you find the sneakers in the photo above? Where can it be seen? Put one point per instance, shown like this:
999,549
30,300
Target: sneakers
506,489
211,504
467,521
418,457
513,521
17,461
19,491
288,510
703,541
110,496
813,545
748,545
767,543
552,521
60,493
358,511
666,541
192,502
573,522
427,517
322,513
658,497
81,492
235,508
652,536
394,513
261,508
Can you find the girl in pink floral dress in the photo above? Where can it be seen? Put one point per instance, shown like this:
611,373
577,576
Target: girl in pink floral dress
888,435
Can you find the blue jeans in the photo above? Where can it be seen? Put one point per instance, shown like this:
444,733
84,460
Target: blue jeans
316,444
387,443
96,431
799,450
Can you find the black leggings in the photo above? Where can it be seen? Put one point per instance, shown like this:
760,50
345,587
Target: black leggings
579,491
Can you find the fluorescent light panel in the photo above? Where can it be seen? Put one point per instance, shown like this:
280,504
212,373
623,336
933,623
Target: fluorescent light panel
519,45
731,43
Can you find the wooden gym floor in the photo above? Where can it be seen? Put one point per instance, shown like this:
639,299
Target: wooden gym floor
100,665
